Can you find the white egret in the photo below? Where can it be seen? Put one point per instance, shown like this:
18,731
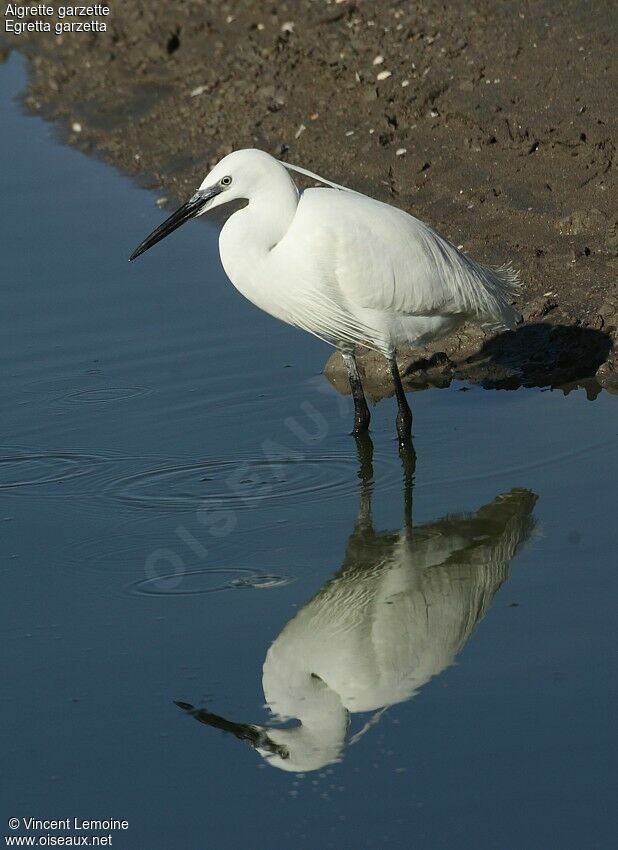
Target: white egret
345,267
399,610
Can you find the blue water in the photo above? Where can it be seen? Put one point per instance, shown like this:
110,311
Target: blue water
177,482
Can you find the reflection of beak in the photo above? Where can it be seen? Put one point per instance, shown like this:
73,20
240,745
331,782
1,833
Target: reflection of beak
252,735
193,207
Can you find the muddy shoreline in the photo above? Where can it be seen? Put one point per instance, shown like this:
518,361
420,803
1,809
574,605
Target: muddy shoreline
493,123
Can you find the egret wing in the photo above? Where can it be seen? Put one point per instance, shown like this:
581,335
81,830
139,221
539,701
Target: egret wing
384,259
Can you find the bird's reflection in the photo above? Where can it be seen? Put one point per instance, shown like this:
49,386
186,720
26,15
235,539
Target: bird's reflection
396,614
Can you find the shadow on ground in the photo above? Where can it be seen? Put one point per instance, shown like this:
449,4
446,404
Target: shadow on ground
535,355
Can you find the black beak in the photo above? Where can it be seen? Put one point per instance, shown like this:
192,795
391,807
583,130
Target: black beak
252,735
187,211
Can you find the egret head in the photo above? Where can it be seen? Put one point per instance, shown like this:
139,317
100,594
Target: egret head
297,748
238,176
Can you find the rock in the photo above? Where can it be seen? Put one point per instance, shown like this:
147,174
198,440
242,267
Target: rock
266,92
538,308
611,240
583,221
607,376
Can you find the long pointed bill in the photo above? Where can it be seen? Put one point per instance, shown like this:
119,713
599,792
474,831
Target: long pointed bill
255,736
193,207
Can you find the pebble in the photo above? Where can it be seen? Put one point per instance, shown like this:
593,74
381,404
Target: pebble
583,221
378,60
538,308
76,127
267,91
611,241
198,90
401,151
384,75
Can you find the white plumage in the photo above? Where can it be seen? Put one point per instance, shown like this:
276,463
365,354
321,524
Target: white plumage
396,615
347,268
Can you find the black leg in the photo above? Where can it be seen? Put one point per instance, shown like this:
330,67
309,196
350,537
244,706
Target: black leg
361,411
404,416
364,448
408,460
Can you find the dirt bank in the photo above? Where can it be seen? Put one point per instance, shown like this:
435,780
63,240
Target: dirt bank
492,121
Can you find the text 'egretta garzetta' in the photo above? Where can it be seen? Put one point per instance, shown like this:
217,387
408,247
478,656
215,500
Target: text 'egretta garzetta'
347,268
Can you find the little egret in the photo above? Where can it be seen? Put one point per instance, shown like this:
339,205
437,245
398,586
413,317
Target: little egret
345,267
400,609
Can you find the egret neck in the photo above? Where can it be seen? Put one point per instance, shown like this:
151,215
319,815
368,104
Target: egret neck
250,234
320,735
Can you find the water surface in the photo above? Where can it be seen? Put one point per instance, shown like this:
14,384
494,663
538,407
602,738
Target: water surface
179,493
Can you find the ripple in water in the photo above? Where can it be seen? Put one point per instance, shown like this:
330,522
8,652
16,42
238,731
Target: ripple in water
130,548
193,582
244,484
260,582
29,469
105,395
73,391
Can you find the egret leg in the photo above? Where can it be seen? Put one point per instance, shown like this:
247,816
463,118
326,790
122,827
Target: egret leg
408,460
404,415
361,411
364,449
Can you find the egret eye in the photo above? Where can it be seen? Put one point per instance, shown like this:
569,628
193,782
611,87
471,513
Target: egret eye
226,181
